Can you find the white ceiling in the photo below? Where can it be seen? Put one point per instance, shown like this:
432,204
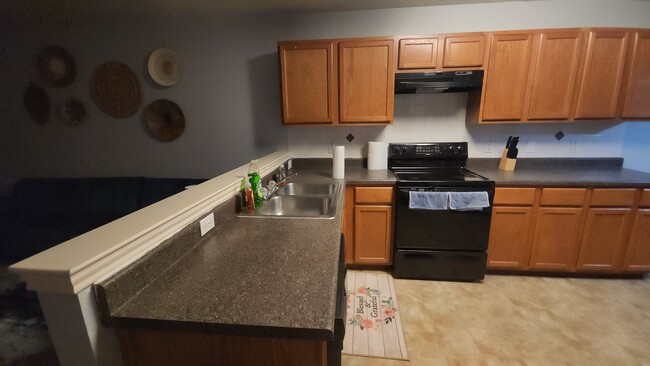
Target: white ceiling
59,12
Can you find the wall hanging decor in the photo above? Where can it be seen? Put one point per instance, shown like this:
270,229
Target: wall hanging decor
165,67
37,103
165,120
73,111
57,66
116,90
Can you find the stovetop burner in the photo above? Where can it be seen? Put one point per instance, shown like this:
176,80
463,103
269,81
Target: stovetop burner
433,176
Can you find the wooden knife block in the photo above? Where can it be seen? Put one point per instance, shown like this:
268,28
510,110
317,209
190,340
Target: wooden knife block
505,163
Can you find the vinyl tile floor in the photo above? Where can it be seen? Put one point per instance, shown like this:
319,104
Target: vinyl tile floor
521,320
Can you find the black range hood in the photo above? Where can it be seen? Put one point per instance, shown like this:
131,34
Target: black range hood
438,82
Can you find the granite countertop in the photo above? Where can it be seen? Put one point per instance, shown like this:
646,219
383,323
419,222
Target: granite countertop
355,171
557,172
249,276
277,276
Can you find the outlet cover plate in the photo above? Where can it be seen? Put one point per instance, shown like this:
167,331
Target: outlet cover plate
206,224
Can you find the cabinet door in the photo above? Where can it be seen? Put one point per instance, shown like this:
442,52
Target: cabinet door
603,239
366,81
420,53
348,224
468,51
507,74
636,92
308,82
556,238
554,78
509,246
373,234
602,73
638,250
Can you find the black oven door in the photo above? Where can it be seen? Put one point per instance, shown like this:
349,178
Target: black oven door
441,230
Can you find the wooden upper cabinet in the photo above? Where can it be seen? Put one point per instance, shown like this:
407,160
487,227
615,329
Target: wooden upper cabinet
636,90
464,51
507,73
366,81
600,83
554,76
418,53
308,82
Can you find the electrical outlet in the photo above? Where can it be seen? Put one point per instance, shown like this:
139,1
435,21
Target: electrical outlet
573,149
530,147
488,146
206,223
330,147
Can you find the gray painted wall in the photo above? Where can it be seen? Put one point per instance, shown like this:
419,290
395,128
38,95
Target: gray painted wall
231,95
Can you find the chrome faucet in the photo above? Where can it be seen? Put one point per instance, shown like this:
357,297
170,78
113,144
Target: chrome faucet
273,187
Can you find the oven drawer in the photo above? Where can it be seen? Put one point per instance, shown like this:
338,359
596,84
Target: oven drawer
439,265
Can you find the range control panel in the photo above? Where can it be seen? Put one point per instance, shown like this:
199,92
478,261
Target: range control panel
432,150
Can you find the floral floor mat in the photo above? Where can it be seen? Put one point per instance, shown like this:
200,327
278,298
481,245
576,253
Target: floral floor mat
373,326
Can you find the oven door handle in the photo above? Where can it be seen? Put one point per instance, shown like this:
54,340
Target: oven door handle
418,253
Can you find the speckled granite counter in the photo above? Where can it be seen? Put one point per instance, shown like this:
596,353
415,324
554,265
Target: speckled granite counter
249,276
549,172
355,172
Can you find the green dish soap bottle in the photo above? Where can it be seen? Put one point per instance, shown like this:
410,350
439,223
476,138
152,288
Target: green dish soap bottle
256,183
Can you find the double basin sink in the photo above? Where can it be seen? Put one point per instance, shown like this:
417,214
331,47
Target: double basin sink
292,200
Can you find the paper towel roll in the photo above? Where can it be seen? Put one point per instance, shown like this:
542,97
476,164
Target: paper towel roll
338,162
377,155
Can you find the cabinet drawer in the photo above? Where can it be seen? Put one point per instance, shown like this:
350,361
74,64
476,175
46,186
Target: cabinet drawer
563,196
514,196
373,195
612,197
645,198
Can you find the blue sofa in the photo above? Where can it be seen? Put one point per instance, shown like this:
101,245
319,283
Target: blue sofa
43,212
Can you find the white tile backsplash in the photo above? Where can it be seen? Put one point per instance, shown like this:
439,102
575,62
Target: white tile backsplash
441,117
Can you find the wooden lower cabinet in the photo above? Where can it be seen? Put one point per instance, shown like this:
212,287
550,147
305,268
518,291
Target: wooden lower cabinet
509,233
588,230
162,348
368,225
373,234
556,238
603,239
638,251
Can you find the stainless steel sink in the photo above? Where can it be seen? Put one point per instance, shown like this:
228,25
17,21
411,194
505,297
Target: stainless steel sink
300,200
306,189
297,206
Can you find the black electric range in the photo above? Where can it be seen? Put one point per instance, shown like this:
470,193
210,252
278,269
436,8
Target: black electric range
441,243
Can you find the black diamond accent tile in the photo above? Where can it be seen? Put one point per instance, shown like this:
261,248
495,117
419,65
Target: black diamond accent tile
559,135
349,137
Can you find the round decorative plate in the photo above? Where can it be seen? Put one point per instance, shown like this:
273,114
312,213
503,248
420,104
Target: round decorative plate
116,90
165,120
165,67
57,66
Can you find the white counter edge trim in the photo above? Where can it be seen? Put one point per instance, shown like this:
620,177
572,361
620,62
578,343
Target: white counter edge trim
79,262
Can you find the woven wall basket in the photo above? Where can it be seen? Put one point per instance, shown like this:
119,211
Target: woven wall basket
116,90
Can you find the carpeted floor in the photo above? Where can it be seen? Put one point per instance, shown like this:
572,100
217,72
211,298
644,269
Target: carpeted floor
24,339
